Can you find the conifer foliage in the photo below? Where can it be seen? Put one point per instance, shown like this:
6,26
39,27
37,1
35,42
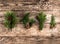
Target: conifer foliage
41,19
10,19
31,22
27,22
52,22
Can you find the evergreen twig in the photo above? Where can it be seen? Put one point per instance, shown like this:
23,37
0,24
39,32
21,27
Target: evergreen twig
41,19
52,22
10,20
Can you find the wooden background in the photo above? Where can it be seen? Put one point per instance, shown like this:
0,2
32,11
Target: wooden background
20,35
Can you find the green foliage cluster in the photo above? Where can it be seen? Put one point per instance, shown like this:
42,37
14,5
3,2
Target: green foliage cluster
31,21
52,22
10,19
26,21
41,19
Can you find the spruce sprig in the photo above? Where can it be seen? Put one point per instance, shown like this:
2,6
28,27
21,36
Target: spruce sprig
10,19
27,22
25,19
31,21
41,19
52,22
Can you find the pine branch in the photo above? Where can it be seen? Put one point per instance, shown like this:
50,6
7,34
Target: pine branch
10,20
